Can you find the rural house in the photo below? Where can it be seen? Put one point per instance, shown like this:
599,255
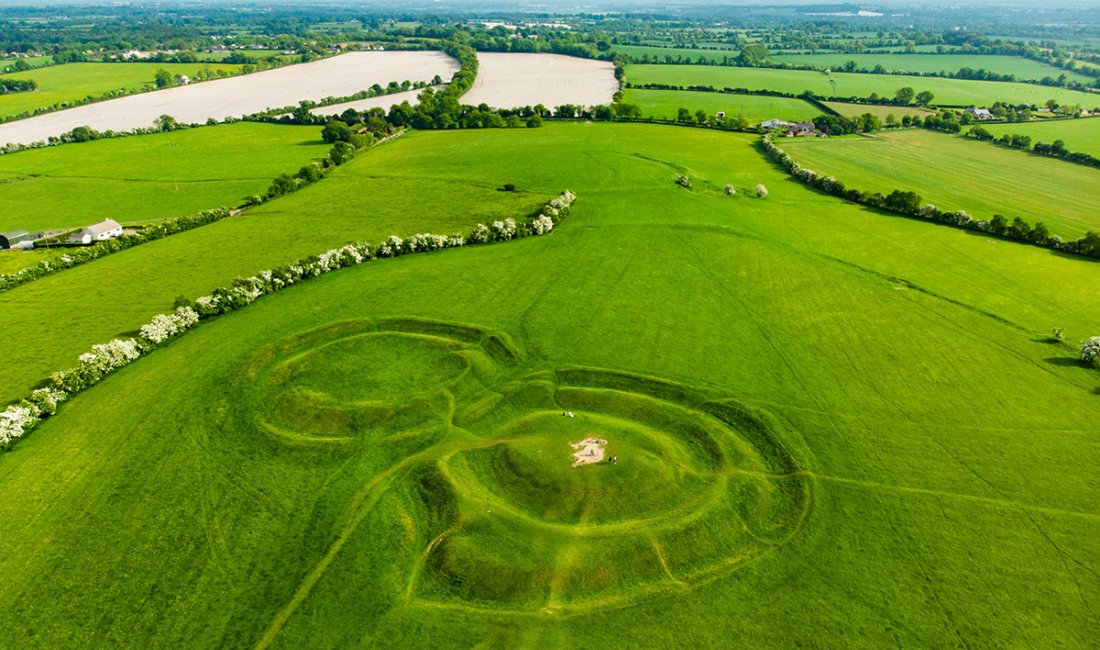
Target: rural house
979,113
16,239
101,231
773,124
801,128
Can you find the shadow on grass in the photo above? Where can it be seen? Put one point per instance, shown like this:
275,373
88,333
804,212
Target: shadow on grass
1062,361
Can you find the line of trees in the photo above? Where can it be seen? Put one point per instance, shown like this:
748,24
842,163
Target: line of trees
19,419
1056,149
17,85
910,204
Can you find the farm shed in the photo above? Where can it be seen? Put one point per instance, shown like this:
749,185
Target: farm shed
101,231
14,238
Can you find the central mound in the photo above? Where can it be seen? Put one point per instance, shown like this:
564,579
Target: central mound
475,494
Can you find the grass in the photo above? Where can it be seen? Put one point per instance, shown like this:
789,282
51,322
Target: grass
947,91
637,51
1079,135
666,103
136,179
232,488
955,173
60,84
33,61
1023,69
854,110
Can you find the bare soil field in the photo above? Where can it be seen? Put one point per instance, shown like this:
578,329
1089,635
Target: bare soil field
382,101
511,80
333,77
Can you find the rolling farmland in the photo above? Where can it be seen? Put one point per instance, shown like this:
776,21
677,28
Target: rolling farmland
665,104
946,91
1079,135
511,80
944,170
459,505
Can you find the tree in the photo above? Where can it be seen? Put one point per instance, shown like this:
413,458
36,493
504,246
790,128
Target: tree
924,98
700,116
683,115
166,123
1090,351
336,131
534,121
753,54
904,95
163,78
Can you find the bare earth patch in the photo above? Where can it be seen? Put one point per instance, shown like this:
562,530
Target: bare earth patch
337,76
382,101
510,80
588,451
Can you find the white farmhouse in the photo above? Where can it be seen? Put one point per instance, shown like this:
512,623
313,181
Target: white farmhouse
980,113
774,124
101,231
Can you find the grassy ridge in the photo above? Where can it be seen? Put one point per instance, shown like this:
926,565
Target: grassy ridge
75,81
946,91
1080,135
903,355
156,176
666,103
946,170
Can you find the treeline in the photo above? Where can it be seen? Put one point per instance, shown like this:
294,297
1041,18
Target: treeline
910,204
20,418
16,85
1056,149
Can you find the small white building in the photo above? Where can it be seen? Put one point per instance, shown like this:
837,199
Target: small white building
774,124
979,113
101,231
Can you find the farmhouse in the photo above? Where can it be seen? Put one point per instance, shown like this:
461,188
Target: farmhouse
101,231
16,239
801,128
774,124
979,113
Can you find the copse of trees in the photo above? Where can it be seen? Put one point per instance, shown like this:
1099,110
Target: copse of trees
910,204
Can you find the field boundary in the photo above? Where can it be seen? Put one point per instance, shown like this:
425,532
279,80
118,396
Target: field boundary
103,359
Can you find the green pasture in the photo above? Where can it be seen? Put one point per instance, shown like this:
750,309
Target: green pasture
855,110
156,176
33,61
666,103
58,84
835,427
1079,135
693,55
255,55
947,91
1023,69
956,173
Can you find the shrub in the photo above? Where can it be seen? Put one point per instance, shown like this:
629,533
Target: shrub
730,191
684,181
1090,351
761,190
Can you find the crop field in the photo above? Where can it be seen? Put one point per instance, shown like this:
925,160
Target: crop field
946,169
75,81
827,421
947,91
382,101
853,110
514,80
1023,69
1079,135
148,177
666,103
336,76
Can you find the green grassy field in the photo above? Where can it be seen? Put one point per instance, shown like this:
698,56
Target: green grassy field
637,51
251,54
1080,135
34,61
955,173
135,179
1023,69
75,81
946,91
834,428
853,110
666,103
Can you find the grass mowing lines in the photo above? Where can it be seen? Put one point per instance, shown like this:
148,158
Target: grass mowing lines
945,171
664,104
946,91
